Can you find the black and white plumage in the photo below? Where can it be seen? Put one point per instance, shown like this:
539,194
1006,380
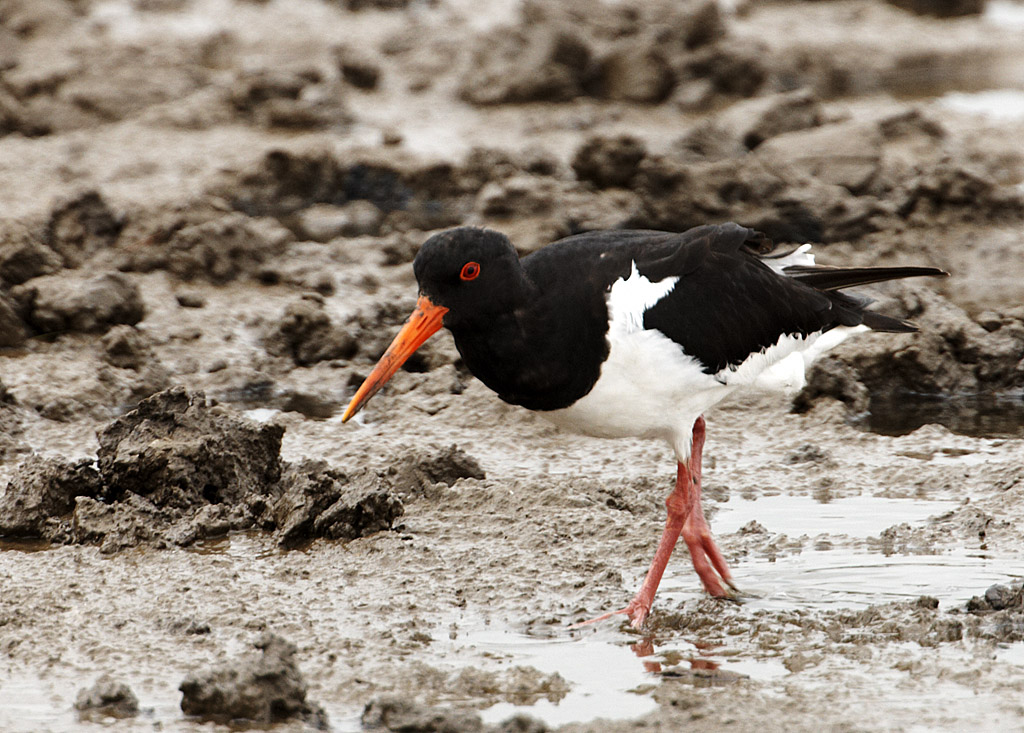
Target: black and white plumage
663,324
634,334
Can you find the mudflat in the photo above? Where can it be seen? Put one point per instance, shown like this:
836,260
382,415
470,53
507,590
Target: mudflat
208,221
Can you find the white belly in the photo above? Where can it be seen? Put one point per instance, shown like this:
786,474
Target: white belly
648,388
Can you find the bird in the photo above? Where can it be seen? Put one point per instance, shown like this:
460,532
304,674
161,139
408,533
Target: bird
636,333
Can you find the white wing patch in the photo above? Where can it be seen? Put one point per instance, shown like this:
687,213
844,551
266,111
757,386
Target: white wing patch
770,367
631,297
783,365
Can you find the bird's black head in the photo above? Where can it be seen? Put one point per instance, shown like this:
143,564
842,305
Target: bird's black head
467,277
469,271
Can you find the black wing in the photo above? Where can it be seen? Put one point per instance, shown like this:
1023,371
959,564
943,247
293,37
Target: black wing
728,304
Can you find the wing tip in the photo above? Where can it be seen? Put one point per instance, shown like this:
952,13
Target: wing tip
888,324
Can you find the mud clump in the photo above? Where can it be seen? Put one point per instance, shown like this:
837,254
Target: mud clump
288,99
11,427
518,685
998,598
638,74
609,161
43,490
395,713
219,249
678,194
107,698
318,501
810,179
13,332
955,190
745,125
264,688
82,226
556,53
178,452
57,304
998,614
411,195
15,118
416,474
176,470
918,621
306,334
126,347
23,255
544,65
356,68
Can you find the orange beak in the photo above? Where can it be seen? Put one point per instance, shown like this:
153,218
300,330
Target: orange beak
424,322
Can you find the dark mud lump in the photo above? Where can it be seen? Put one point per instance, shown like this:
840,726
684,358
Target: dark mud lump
179,452
265,688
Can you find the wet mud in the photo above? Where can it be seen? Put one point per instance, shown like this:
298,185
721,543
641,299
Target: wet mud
209,245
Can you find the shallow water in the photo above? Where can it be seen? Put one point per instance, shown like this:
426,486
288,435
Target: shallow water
831,579
608,668
844,576
855,516
585,665
981,416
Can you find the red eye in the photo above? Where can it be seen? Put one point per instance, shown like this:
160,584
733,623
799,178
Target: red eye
469,271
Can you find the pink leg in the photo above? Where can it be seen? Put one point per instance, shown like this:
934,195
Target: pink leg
686,517
707,558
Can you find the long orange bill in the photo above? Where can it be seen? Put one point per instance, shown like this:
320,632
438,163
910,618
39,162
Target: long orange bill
424,322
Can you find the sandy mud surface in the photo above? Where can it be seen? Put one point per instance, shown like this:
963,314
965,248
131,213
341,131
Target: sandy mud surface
209,213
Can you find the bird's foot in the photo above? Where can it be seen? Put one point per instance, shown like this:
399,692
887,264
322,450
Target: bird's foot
638,610
707,559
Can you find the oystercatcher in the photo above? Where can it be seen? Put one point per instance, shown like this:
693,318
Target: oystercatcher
634,334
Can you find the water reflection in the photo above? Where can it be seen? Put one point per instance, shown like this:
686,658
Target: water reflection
981,416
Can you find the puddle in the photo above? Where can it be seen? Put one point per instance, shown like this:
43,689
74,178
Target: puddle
855,516
23,545
584,663
980,416
1011,654
829,579
606,669
843,577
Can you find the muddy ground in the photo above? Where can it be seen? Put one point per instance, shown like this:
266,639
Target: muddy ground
209,213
